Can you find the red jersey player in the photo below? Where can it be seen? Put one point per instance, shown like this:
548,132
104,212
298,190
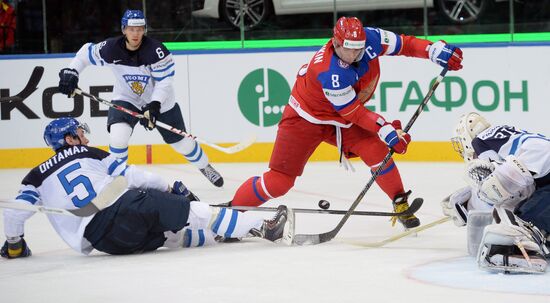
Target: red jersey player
327,105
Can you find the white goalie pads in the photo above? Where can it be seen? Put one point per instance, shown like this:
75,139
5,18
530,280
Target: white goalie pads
509,183
512,245
477,221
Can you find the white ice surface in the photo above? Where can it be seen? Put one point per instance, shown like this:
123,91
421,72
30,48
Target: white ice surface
431,267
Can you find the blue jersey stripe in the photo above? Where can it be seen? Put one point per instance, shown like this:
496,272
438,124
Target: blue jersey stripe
193,152
218,222
30,192
188,237
118,150
114,166
162,78
90,56
232,224
27,198
201,237
162,70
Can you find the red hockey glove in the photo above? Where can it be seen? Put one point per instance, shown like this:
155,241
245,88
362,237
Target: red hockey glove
395,137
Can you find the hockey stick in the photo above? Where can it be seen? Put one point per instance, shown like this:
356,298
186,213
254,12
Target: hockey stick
31,86
398,236
228,150
80,212
110,193
311,239
415,206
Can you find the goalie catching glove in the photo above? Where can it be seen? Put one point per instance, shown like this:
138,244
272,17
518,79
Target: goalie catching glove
456,205
506,186
512,245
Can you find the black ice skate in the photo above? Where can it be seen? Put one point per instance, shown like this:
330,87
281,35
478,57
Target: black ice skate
280,228
400,204
212,175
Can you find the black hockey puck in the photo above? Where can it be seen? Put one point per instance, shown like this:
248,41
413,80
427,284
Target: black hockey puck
324,204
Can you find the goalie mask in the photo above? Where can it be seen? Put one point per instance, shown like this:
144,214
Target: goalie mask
469,126
55,132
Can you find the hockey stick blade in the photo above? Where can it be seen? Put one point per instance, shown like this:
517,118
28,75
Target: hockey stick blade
231,149
31,86
228,150
398,236
414,207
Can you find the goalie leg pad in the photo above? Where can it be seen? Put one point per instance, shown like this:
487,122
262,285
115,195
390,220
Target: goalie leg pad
504,246
477,221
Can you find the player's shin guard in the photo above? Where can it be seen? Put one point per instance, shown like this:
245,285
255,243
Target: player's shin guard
231,223
193,152
389,179
258,190
119,135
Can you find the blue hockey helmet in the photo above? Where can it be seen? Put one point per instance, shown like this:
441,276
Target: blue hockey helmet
55,132
133,17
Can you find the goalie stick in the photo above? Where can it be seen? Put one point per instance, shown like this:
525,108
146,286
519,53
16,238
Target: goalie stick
311,239
415,206
228,150
31,86
398,236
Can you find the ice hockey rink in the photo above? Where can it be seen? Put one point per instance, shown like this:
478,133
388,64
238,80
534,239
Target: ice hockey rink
432,266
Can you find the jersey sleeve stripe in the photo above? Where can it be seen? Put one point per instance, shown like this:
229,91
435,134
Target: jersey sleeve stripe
123,173
115,165
90,55
164,69
27,198
162,78
340,107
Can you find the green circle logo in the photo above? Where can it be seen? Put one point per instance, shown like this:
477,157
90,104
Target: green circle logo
263,94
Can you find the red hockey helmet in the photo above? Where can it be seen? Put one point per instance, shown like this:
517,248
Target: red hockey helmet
349,32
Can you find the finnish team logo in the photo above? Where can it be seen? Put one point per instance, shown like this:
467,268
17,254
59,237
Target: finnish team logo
137,83
262,96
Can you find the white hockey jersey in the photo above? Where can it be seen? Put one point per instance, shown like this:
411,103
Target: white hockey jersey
533,150
71,179
142,76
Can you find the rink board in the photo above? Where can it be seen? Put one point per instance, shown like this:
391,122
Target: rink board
225,96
